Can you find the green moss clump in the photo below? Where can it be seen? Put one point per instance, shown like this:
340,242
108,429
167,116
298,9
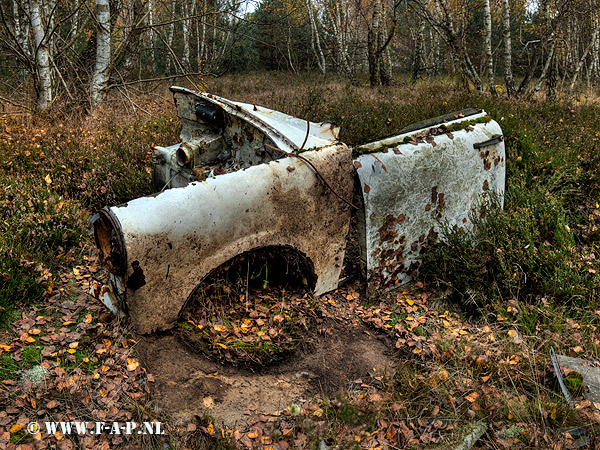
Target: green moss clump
438,130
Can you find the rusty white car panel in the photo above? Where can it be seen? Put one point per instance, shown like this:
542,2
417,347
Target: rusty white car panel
245,177
410,189
173,240
249,132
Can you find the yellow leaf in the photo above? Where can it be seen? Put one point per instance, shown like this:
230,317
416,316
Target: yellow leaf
30,340
512,333
221,345
219,328
410,302
210,429
48,180
15,428
252,435
511,416
5,347
472,397
132,364
71,351
68,322
76,271
88,318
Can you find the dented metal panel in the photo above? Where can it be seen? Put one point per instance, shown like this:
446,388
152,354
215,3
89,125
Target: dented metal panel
287,132
415,182
174,239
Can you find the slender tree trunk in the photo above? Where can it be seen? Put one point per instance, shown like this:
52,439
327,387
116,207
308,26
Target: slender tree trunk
508,75
487,12
583,58
333,13
42,59
549,59
315,41
170,39
185,28
151,33
203,33
437,62
418,59
103,53
385,65
374,44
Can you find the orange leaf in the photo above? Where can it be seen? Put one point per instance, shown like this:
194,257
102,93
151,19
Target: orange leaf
132,364
472,397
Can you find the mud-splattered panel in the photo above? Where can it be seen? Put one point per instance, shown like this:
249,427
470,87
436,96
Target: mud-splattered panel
414,183
174,239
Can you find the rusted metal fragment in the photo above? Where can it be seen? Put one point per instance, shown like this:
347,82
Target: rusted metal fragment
174,239
425,182
287,132
219,136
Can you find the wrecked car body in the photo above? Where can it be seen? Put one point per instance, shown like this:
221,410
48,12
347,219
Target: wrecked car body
245,177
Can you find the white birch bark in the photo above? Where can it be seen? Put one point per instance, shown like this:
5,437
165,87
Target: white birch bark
151,32
487,12
203,35
508,75
315,41
42,58
185,28
170,38
333,13
549,59
583,58
103,52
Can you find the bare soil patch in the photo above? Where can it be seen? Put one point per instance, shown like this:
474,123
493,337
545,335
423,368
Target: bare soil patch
336,351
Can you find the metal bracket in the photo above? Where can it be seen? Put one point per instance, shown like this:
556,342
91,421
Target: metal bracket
495,139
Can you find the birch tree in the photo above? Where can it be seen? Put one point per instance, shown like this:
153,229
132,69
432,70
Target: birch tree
508,74
315,41
487,14
42,58
103,52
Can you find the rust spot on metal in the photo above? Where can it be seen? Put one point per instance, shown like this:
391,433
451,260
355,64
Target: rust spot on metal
110,243
367,188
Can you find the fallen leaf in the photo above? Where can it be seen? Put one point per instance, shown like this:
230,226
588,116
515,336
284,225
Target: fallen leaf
472,397
132,364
